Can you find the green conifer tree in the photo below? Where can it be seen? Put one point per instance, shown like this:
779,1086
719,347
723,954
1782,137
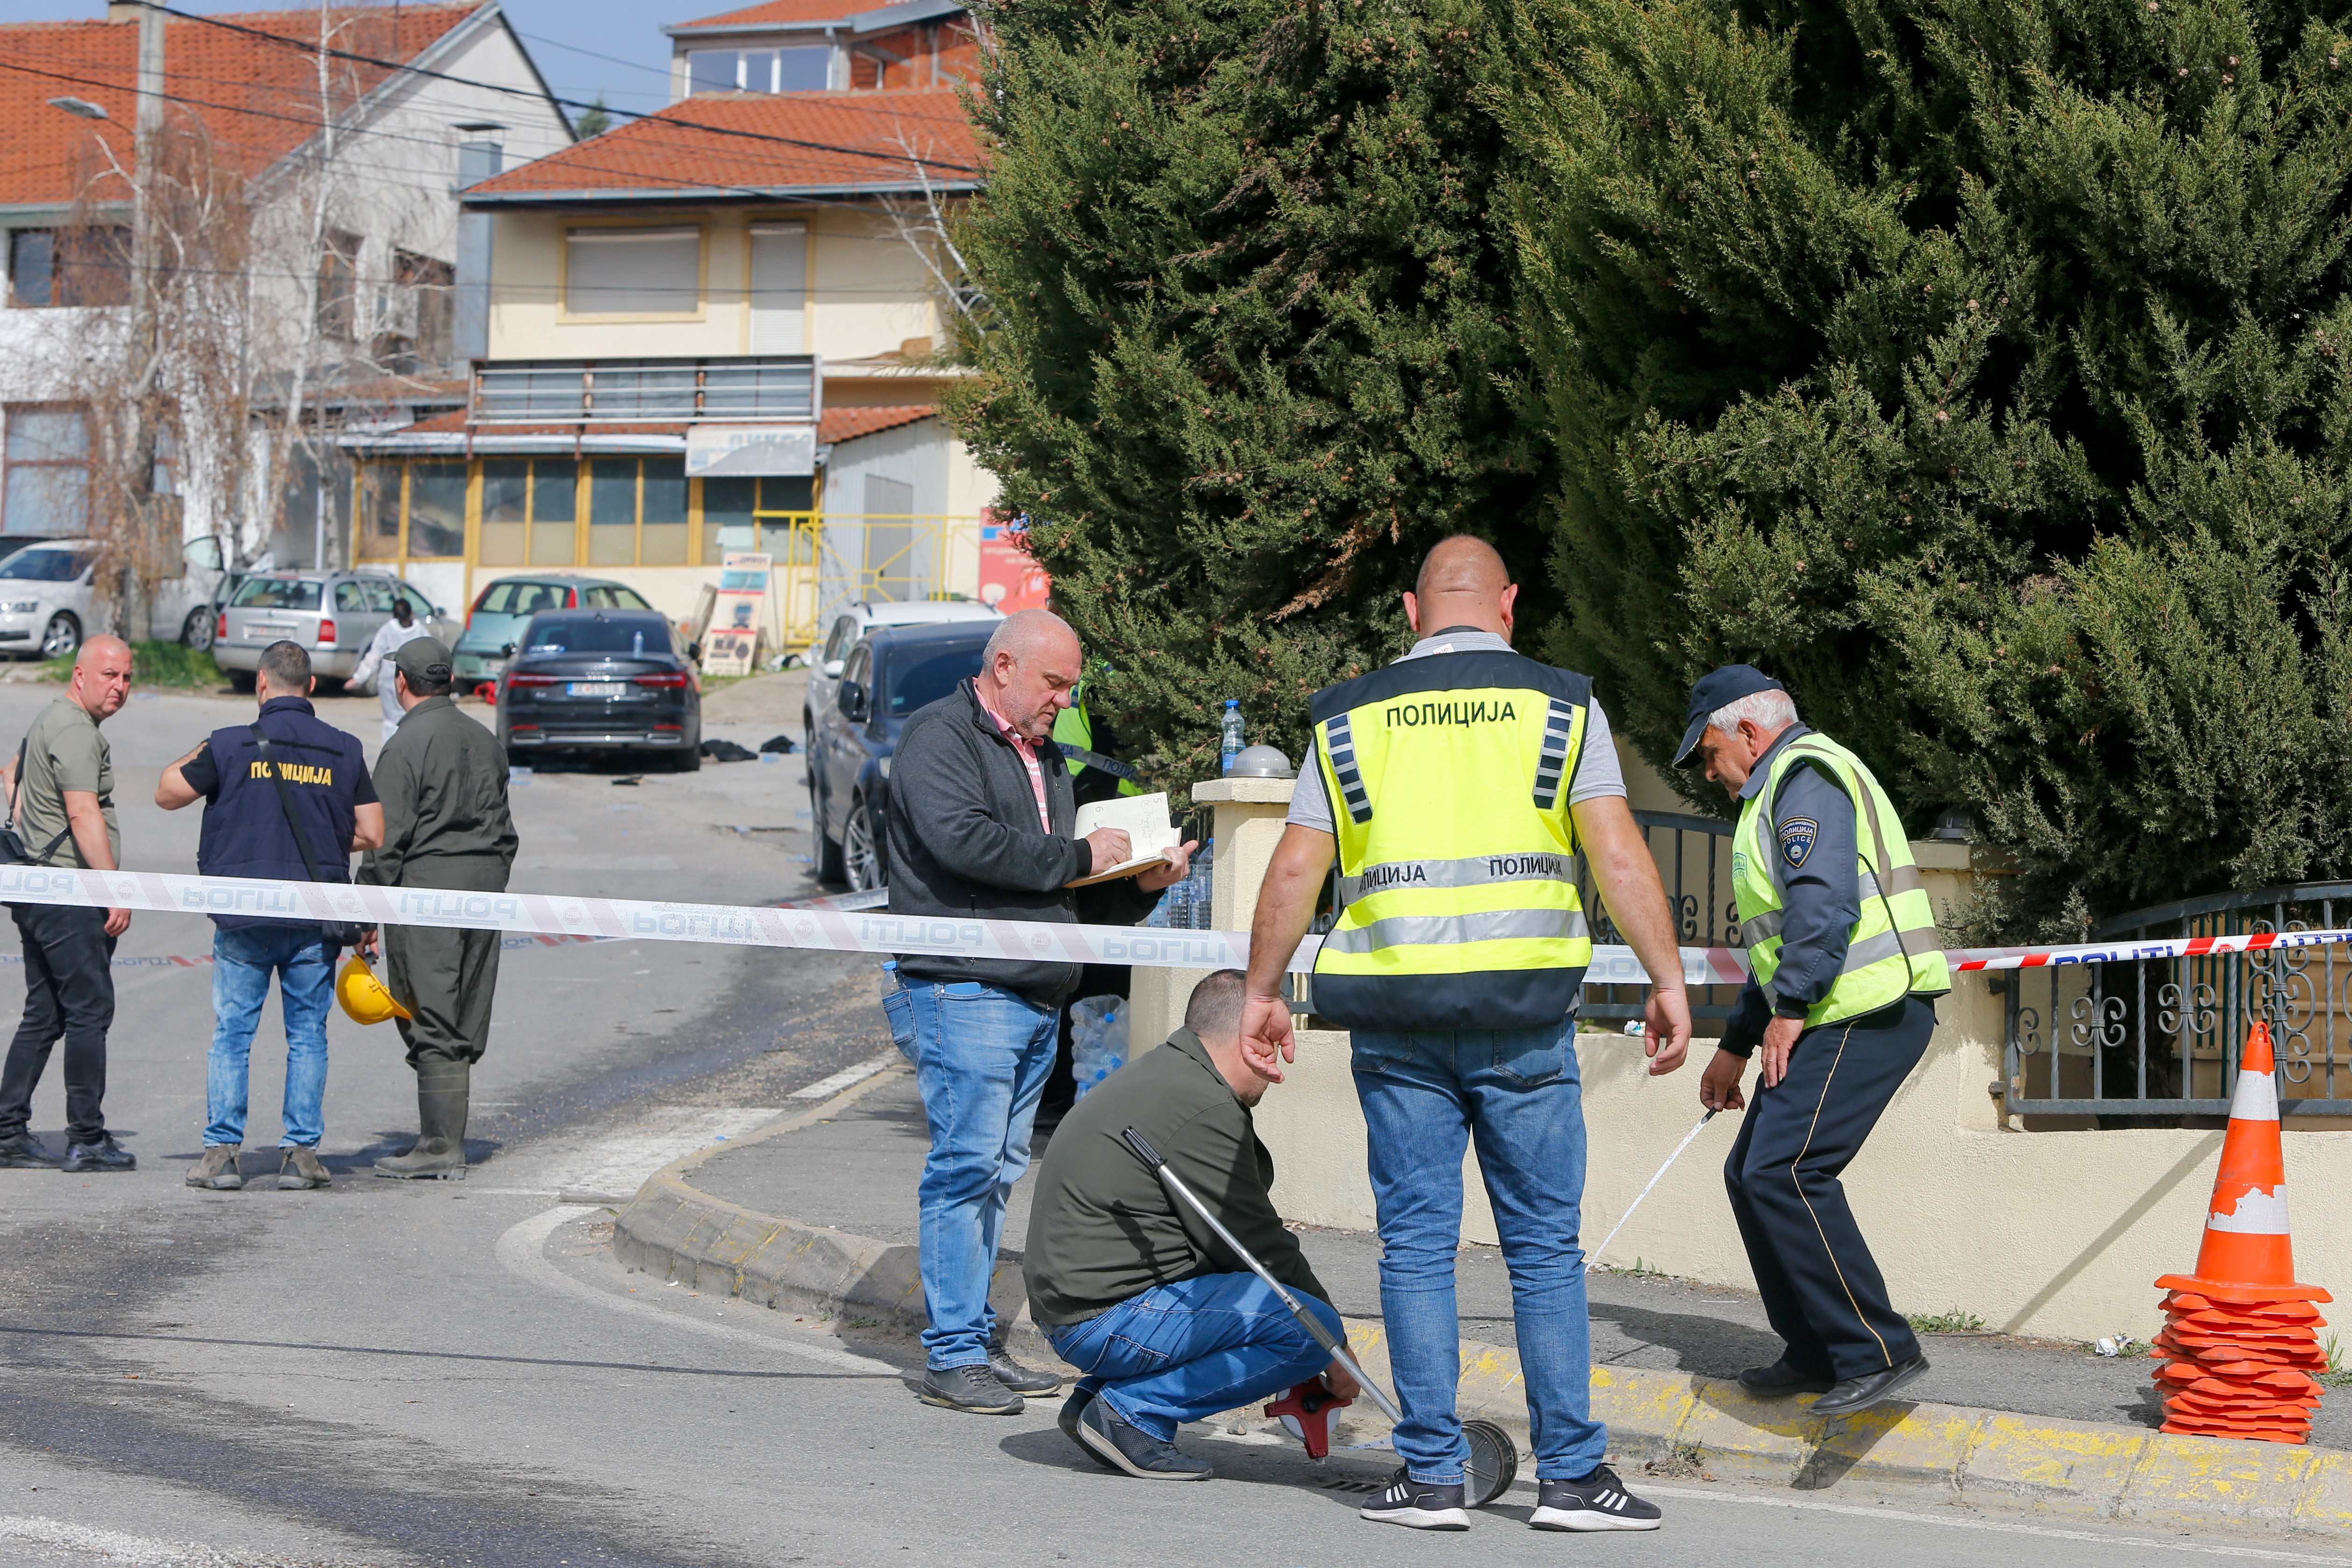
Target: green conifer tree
1244,350
1979,367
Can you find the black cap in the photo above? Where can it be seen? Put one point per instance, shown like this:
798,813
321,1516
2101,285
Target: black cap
1716,689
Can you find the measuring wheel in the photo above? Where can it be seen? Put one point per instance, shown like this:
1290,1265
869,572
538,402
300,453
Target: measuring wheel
1494,1462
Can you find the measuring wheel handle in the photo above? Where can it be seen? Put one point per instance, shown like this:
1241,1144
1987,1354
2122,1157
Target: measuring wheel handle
1308,1410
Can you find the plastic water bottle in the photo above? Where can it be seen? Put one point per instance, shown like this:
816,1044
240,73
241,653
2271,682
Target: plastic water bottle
1232,743
1097,1040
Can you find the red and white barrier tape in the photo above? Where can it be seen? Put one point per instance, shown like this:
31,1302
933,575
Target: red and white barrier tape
854,923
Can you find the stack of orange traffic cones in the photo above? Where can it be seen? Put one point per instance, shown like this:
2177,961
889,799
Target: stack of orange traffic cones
2240,1333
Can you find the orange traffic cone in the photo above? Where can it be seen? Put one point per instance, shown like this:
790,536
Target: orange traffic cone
2239,1333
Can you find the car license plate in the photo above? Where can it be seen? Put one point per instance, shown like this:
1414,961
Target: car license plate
595,689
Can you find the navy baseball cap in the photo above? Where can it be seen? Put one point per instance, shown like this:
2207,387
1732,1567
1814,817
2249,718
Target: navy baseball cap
1715,689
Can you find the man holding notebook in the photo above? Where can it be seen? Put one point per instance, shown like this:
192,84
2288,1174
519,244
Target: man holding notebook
982,825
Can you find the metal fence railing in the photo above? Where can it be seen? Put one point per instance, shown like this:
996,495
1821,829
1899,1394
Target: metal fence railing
2153,1042
1694,857
823,563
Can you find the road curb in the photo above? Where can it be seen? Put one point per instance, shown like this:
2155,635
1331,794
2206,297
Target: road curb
2072,1470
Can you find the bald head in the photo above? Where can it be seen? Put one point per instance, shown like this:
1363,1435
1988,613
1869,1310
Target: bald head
1028,669
1028,633
1463,582
101,676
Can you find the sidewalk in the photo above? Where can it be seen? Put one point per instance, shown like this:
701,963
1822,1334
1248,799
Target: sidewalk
817,1212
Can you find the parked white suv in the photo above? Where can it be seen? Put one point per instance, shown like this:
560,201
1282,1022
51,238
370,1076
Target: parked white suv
825,669
47,605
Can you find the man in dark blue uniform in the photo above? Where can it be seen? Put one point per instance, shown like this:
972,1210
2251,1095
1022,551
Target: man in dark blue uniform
287,797
1845,965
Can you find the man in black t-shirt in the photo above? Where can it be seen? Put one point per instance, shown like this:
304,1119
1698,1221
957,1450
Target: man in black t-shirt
292,811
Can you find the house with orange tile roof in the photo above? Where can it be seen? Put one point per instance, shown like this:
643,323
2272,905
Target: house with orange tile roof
715,330
343,130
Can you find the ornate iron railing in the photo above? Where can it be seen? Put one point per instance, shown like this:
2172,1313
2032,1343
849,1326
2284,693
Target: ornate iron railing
1694,857
2153,1042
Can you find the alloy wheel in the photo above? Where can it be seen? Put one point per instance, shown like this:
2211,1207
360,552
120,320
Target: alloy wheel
864,856
61,636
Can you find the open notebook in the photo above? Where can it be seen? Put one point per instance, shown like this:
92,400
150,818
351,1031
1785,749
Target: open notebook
1144,818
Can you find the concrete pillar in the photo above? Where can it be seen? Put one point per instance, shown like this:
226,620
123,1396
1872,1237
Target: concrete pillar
1247,825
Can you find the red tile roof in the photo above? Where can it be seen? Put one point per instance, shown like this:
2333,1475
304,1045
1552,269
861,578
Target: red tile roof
258,100
784,13
822,140
848,424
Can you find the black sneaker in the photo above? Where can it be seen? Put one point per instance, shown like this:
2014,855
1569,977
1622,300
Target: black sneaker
1018,1378
1599,1501
1419,1505
1133,1450
1072,1408
972,1389
27,1153
106,1155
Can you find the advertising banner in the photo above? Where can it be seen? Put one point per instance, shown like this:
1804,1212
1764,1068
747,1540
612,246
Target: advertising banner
730,642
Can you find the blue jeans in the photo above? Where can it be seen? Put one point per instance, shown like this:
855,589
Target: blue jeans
243,961
982,1057
1181,1351
1514,1091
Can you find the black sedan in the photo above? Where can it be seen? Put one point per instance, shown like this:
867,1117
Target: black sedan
601,681
889,674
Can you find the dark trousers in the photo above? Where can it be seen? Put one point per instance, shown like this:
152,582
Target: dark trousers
1821,1289
68,992
449,978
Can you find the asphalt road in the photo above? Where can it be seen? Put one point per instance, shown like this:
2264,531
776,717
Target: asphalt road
390,1375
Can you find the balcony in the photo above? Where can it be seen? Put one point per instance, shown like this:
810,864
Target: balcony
645,391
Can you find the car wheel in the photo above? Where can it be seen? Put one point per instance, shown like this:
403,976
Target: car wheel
687,762
861,852
240,681
61,637
197,630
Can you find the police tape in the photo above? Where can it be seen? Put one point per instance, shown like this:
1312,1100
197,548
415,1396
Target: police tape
856,923
845,923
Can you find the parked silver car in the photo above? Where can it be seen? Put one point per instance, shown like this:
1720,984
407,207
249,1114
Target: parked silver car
333,614
48,604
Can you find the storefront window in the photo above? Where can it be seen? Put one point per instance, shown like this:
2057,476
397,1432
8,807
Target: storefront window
436,510
637,512
380,511
554,512
727,520
527,506
662,541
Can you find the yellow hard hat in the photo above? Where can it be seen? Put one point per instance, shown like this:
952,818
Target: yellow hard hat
364,996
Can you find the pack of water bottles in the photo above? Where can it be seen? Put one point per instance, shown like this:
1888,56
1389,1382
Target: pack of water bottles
1185,905
1097,1040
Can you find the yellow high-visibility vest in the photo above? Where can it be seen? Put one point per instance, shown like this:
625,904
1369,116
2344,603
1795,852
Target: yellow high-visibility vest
1895,949
1448,777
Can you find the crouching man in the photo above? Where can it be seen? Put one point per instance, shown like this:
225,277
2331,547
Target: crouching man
1133,1291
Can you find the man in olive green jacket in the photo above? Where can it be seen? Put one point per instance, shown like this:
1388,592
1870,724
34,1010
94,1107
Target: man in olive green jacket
443,781
1132,1288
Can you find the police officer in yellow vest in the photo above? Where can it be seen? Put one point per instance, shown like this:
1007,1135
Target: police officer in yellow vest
1845,966
1458,787
1092,752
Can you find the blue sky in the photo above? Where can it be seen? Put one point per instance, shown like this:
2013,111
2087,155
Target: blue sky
585,47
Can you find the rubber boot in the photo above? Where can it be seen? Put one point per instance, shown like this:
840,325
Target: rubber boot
442,1088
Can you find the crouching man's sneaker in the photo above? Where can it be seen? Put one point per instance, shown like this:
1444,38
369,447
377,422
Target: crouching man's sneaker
1599,1501
1422,1505
1133,1450
106,1155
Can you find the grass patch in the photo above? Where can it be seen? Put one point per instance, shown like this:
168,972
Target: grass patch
167,666
2339,1370
1952,1322
1639,1269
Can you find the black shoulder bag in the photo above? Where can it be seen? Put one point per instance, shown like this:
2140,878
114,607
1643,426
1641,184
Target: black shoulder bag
12,843
340,933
